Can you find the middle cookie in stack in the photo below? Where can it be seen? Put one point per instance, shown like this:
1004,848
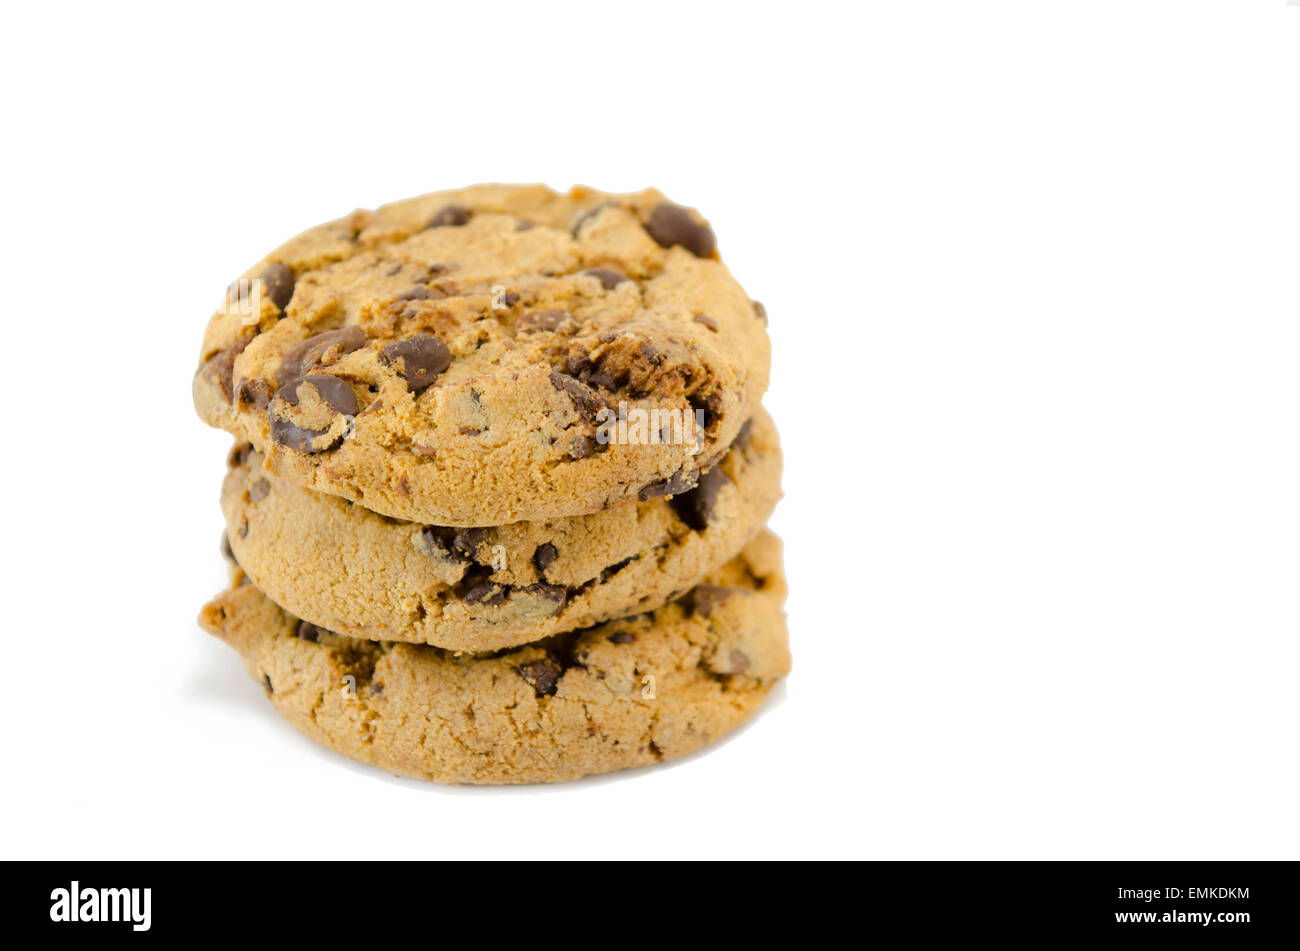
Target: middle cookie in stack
352,571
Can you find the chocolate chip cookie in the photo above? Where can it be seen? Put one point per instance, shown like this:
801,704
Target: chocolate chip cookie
345,568
625,693
460,359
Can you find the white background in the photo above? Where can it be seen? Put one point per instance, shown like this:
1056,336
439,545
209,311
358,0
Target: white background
1032,271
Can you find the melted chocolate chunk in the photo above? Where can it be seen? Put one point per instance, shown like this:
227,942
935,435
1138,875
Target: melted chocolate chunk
418,360
585,399
441,541
253,392
681,481
333,392
705,597
487,592
550,592
697,507
542,675
608,279
302,440
742,436
319,351
239,455
452,215
222,366
612,570
277,281
422,293
542,320
544,557
590,215
467,540
258,490
671,224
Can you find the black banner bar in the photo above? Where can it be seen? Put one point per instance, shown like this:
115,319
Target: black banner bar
1220,902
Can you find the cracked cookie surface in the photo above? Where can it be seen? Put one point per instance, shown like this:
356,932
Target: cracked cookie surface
354,572
449,359
625,693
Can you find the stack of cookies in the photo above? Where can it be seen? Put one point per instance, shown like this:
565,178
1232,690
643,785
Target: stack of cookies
496,505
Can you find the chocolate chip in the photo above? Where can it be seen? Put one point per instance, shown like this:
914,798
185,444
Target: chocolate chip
608,279
467,540
707,321
259,490
307,631
705,597
578,362
487,592
649,354
222,366
422,293
277,281
542,320
612,570
239,455
333,392
266,683
550,592
542,676
581,447
418,360
319,351
671,224
759,311
253,392
453,215
585,399
590,215
739,662
681,481
621,637
742,436
544,557
441,541
225,547
710,404
295,437
697,507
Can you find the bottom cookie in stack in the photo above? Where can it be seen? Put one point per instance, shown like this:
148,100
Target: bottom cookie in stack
625,693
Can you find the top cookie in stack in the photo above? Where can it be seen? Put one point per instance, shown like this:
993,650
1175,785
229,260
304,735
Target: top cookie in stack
446,359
